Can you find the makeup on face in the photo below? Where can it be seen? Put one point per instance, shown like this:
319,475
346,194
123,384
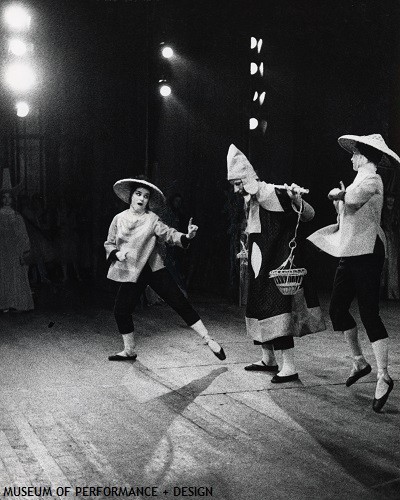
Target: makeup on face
237,186
140,199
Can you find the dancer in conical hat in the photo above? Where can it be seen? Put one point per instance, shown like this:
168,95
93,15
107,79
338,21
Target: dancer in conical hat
272,319
358,239
135,262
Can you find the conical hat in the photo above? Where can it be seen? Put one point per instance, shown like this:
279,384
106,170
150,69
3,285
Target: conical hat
239,167
123,189
6,185
349,143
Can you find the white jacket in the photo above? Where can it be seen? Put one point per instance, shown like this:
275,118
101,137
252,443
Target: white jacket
358,221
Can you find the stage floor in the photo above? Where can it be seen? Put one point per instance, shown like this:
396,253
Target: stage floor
178,418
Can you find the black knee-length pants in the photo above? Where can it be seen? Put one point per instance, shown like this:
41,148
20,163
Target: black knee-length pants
163,284
358,276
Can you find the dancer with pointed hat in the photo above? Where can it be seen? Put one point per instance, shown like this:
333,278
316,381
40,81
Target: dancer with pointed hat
358,239
15,291
273,319
135,262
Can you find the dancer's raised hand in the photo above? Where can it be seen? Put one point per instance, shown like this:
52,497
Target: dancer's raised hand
192,229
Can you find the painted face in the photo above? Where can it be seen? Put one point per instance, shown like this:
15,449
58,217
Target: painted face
358,160
7,199
238,186
140,199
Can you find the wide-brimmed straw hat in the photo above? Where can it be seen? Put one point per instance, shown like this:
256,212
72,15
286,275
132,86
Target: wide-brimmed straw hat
123,189
376,141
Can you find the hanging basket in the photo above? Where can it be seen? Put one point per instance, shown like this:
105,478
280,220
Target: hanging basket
288,280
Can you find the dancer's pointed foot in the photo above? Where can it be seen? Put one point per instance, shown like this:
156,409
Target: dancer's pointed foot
357,372
216,349
383,389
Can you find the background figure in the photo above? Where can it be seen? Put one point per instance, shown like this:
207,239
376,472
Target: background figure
391,227
174,258
67,239
15,292
37,225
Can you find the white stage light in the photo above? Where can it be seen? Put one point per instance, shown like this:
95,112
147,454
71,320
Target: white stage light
255,96
262,69
253,42
259,45
167,52
165,90
20,77
253,123
17,17
17,47
22,109
253,68
262,97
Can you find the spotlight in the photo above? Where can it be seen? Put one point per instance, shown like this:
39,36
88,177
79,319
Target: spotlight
253,42
20,77
165,90
17,47
167,52
255,97
262,97
17,17
22,109
253,123
259,45
262,69
253,68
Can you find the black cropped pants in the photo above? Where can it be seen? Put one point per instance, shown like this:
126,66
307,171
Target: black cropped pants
358,276
163,284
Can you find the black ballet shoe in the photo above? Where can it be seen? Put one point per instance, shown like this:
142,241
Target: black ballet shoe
378,404
277,379
357,375
119,357
261,368
216,349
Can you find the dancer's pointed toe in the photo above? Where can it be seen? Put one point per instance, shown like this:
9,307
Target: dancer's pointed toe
357,375
216,349
379,403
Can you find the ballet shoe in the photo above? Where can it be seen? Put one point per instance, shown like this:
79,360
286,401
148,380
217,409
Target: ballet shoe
378,404
357,375
261,368
216,349
119,357
278,379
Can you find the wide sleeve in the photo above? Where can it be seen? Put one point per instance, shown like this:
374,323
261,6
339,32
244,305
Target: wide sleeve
356,197
169,235
110,245
268,198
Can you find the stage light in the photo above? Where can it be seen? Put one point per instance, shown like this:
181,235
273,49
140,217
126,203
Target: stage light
255,97
20,77
165,90
262,97
253,123
253,42
253,68
17,47
17,17
262,69
22,109
167,52
259,45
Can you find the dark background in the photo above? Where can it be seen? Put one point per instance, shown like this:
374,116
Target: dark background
331,68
